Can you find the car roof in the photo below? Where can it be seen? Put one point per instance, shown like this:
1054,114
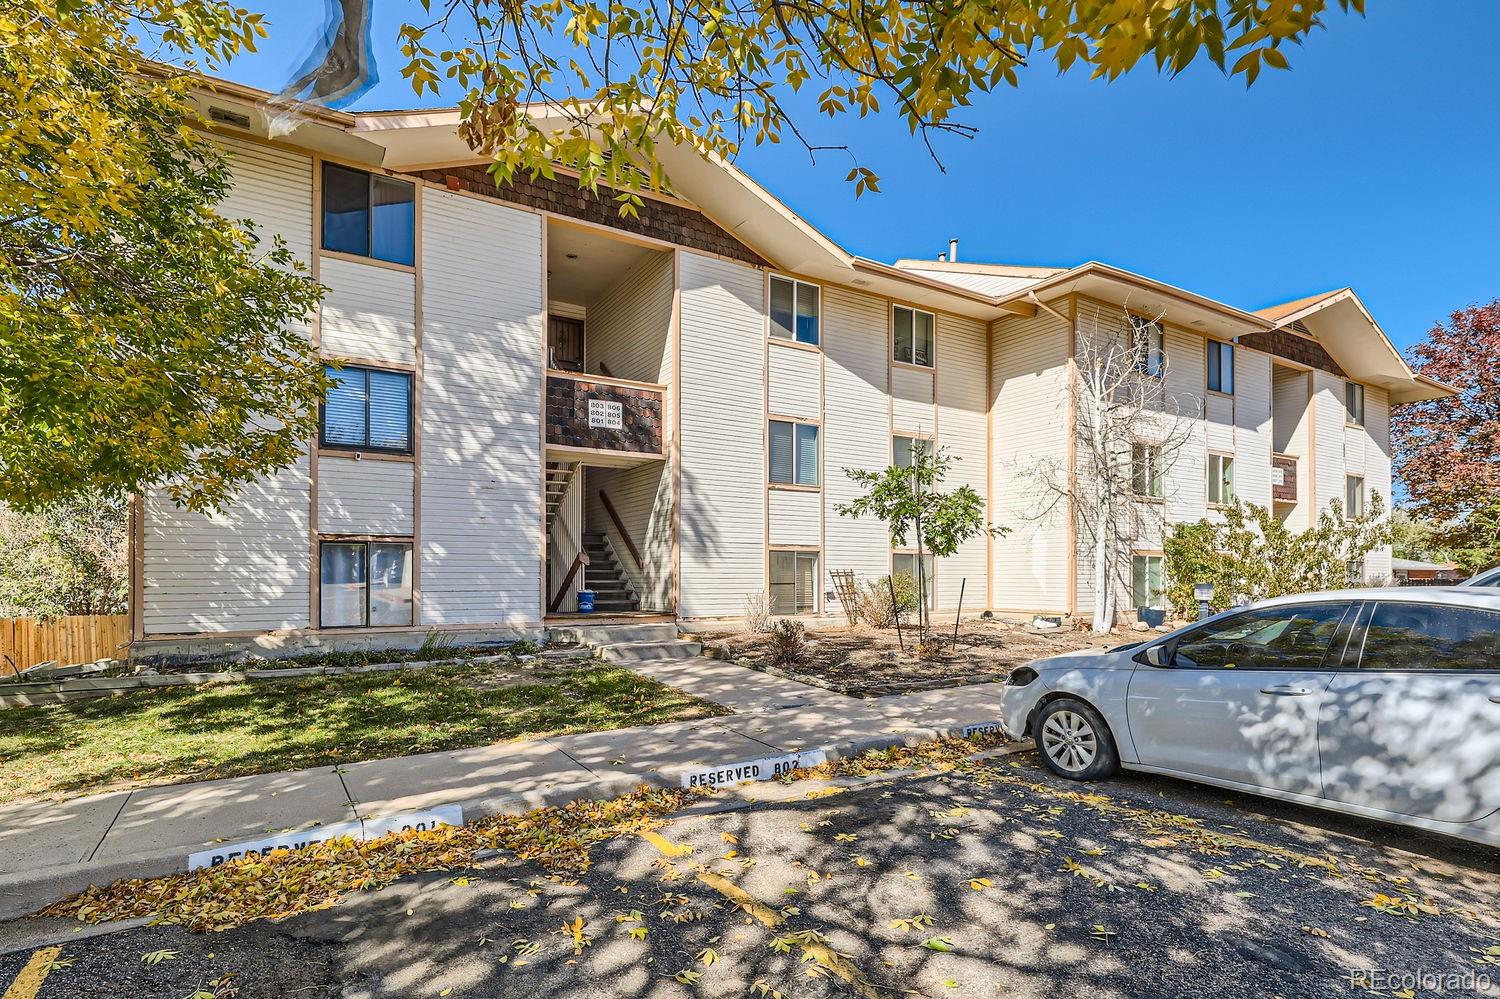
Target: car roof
1465,596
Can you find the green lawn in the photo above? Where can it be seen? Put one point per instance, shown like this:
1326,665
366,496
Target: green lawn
174,734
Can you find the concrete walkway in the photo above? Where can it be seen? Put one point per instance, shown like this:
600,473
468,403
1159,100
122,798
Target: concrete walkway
48,849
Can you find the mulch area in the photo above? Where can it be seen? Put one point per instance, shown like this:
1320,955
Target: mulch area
866,662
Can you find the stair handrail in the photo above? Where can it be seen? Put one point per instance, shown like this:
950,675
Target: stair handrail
614,518
579,560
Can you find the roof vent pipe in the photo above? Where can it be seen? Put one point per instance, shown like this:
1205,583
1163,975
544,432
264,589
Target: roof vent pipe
942,257
953,249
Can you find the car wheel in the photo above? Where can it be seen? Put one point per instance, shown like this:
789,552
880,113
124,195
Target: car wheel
1074,741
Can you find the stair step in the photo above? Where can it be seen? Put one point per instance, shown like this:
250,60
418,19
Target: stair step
636,652
614,634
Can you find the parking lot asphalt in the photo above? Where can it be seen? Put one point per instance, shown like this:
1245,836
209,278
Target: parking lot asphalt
996,879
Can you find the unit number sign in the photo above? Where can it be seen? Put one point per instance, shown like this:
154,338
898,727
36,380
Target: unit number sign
605,415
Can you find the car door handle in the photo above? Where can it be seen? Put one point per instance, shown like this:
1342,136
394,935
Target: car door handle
1286,691
1495,699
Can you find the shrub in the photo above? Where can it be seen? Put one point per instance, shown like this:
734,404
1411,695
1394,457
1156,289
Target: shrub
788,642
758,612
875,606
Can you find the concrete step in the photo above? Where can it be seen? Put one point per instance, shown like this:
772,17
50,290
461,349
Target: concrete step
639,652
614,634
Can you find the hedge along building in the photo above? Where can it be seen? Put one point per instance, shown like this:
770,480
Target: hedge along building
538,396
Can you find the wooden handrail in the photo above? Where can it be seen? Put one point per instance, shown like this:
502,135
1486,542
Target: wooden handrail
581,558
584,376
614,517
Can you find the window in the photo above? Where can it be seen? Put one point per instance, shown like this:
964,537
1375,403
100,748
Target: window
794,310
913,336
1354,573
368,215
1296,637
1431,636
906,563
794,582
1221,367
901,449
1354,402
364,583
1148,582
1149,345
1220,480
794,453
1354,496
367,409
1146,472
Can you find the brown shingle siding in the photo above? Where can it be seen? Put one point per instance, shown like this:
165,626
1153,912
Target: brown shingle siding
658,219
1293,348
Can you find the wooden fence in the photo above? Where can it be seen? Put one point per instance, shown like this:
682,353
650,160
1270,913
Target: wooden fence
25,642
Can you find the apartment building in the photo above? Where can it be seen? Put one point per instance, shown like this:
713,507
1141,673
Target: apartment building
536,396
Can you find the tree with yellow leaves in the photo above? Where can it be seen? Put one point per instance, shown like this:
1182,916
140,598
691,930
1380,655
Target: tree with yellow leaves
144,340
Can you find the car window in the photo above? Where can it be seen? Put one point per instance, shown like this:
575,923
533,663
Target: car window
1295,637
1431,636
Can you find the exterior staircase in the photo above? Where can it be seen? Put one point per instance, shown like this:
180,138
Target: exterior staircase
559,479
603,575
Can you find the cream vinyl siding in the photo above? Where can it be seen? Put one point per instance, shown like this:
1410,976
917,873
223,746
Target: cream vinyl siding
272,188
1329,462
1290,420
628,328
367,496
855,431
796,382
1186,469
961,405
369,311
722,528
642,496
911,395
1252,427
1030,418
1378,467
794,517
248,568
481,405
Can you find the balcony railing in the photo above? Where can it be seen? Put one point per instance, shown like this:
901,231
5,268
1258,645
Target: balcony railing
595,413
1283,478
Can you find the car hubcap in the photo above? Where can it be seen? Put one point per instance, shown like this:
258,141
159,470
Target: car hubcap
1068,740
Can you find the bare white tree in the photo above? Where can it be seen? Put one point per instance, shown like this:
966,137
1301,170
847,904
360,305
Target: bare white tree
1128,429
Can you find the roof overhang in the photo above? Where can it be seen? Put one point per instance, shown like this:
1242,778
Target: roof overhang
1346,329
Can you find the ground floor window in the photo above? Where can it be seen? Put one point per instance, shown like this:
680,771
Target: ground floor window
364,584
1148,583
794,582
906,562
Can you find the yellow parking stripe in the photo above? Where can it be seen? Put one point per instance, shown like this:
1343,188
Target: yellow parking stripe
30,980
771,919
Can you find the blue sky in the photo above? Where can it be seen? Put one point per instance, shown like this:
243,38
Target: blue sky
1374,163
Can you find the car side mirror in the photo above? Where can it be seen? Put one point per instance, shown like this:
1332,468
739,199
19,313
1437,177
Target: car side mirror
1157,656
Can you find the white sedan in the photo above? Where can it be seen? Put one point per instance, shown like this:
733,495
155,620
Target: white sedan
1383,703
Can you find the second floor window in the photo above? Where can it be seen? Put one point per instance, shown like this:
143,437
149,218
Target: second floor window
914,336
368,215
794,310
1221,367
1220,480
1354,402
1146,475
1354,495
1149,346
794,453
367,410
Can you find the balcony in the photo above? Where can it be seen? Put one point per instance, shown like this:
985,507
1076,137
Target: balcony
1283,478
595,415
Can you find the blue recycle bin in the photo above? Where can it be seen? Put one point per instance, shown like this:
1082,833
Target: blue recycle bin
585,601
